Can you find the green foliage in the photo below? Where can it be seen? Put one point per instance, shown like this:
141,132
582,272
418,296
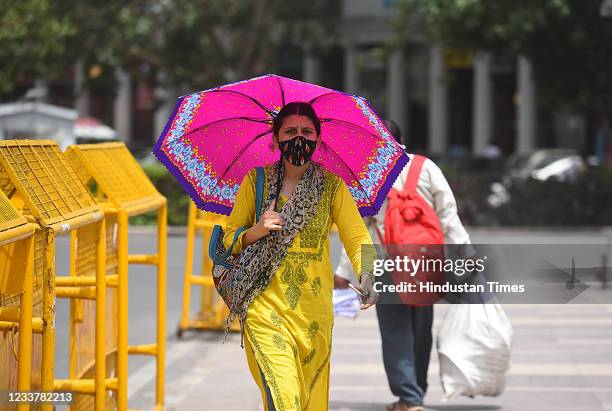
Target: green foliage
108,33
178,200
499,26
189,44
32,40
568,41
210,42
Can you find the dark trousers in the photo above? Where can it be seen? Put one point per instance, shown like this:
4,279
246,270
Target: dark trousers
269,399
406,345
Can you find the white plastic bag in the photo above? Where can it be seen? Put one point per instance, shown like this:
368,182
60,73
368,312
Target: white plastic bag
474,343
346,302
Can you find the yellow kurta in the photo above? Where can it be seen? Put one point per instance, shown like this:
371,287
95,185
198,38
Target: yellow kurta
288,329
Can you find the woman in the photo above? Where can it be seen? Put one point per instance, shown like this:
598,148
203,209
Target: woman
287,311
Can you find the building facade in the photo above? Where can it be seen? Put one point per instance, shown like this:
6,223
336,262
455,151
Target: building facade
445,100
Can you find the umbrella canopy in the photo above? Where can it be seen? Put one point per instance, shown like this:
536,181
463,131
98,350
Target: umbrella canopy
214,137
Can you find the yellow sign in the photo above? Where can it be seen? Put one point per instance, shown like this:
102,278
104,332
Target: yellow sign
455,58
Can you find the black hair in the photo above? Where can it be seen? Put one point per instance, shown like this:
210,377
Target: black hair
394,129
301,109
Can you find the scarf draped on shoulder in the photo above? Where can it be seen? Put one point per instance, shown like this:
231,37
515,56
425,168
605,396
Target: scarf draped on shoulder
259,261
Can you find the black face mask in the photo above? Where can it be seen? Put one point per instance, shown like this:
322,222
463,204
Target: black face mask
298,150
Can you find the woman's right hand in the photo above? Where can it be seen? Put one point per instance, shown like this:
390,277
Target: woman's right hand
270,220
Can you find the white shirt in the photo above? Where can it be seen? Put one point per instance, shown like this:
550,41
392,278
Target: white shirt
436,192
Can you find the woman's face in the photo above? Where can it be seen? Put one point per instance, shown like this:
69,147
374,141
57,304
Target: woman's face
296,125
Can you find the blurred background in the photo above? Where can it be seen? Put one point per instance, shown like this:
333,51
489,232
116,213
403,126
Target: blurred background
512,98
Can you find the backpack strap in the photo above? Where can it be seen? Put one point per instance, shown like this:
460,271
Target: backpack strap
259,186
414,172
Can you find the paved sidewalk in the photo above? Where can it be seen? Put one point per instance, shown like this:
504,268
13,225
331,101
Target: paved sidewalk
561,360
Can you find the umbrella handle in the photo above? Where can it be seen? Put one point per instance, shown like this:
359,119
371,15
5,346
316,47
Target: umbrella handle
278,181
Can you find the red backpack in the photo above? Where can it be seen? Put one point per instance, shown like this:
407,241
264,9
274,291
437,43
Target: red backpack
412,229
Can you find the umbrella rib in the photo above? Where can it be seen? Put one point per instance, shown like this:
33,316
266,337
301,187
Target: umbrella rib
323,95
282,90
338,120
347,166
255,120
242,151
327,120
243,95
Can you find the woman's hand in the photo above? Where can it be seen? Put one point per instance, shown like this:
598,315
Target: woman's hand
270,220
367,289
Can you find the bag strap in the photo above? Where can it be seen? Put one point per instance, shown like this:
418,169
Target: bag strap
259,186
414,172
221,259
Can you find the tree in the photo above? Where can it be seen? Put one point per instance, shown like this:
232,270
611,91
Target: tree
567,41
195,44
43,38
208,42
32,40
109,34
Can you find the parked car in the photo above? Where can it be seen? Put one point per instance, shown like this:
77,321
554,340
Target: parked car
558,164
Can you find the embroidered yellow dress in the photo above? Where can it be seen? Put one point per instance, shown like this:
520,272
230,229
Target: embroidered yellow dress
288,329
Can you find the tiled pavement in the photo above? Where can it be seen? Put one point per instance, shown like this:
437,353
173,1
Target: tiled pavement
562,357
561,360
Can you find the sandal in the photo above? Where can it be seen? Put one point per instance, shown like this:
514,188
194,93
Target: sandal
404,406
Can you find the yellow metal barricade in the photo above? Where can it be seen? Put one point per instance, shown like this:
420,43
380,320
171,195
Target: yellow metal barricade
36,177
123,190
82,312
213,311
16,300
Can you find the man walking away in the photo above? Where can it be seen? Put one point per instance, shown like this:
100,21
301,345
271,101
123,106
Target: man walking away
406,330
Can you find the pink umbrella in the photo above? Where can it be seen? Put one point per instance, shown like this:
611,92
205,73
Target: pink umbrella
214,137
